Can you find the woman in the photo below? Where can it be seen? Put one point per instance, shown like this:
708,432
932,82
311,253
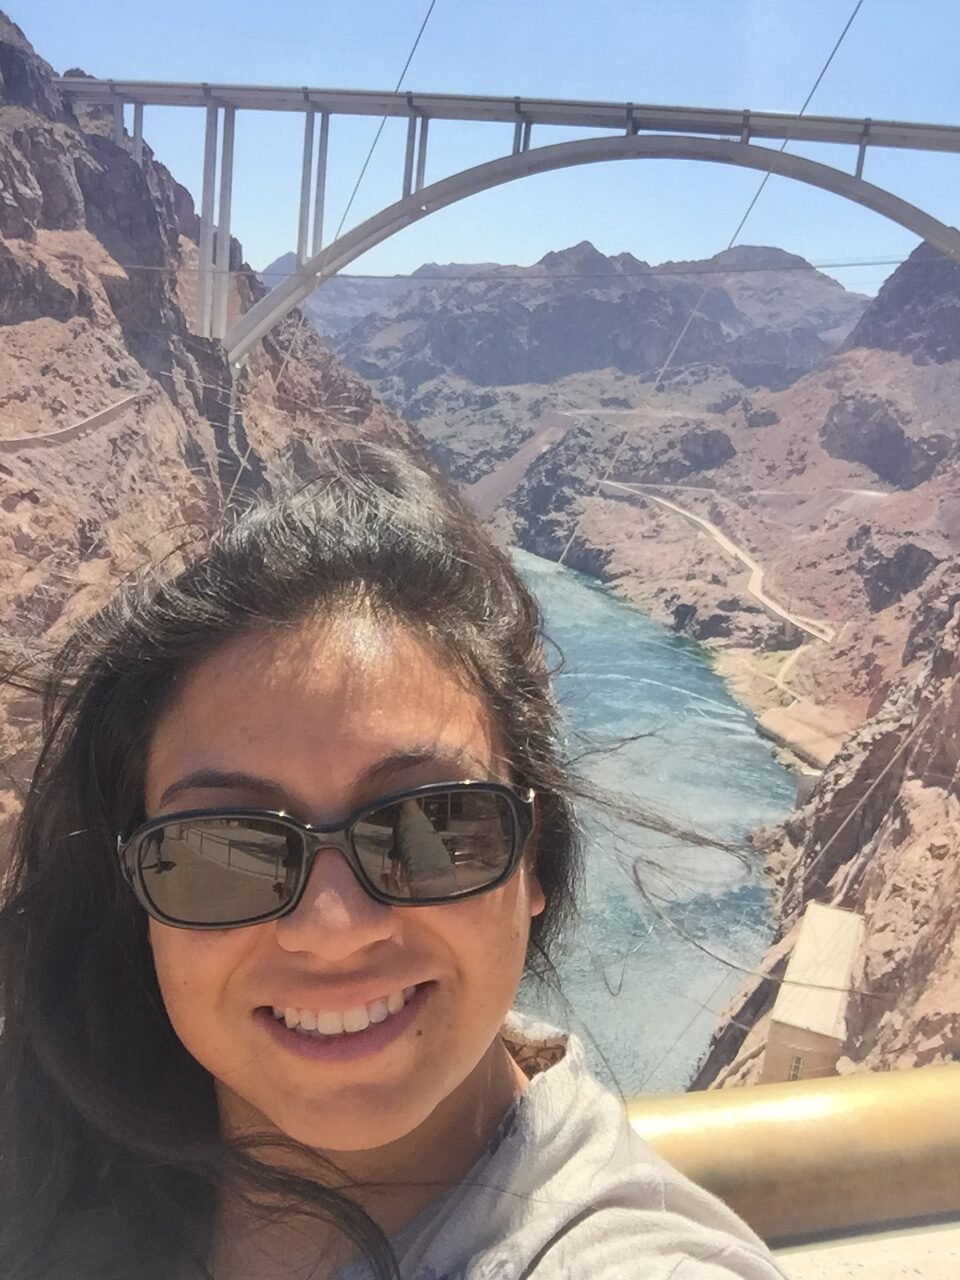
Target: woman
298,824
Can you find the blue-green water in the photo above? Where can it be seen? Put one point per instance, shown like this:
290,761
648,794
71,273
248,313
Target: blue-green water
645,977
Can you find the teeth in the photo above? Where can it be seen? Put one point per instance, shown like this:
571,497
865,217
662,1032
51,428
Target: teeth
395,1001
378,1011
309,1022
356,1019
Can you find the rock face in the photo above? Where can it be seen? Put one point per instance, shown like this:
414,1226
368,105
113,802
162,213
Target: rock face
842,487
96,285
890,575
24,78
873,431
487,360
917,312
877,836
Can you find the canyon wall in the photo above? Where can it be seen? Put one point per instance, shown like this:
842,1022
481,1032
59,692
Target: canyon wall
125,435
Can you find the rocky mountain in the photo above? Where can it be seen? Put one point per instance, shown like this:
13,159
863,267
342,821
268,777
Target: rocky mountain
918,312
578,310
120,429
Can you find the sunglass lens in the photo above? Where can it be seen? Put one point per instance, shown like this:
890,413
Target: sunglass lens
219,870
437,846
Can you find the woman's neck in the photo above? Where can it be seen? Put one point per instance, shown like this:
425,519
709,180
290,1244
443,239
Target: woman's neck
392,1184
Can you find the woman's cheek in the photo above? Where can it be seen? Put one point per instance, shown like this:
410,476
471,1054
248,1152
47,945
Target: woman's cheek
193,968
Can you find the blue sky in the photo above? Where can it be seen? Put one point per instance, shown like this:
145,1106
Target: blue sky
901,59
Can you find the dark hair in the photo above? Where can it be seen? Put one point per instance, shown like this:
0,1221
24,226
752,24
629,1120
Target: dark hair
111,1162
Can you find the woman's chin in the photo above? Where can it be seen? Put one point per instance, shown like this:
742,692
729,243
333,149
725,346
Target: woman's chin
363,1126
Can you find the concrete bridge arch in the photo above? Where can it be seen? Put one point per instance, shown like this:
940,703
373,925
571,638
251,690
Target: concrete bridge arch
350,246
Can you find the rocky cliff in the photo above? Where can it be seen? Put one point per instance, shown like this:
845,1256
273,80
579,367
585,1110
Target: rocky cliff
97,282
877,836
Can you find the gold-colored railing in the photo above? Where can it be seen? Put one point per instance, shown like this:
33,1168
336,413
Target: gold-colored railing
834,1155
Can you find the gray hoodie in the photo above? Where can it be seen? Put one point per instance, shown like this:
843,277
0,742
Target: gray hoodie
567,1189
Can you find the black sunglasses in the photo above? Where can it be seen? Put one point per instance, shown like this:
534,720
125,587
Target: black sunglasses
223,868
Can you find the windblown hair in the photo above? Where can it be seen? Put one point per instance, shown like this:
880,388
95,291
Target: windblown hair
111,1160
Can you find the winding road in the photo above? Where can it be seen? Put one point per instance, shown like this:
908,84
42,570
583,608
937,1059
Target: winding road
14,444
816,630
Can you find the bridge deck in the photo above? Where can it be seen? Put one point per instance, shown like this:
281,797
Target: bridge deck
624,116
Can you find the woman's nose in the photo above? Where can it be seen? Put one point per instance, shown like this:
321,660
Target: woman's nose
335,916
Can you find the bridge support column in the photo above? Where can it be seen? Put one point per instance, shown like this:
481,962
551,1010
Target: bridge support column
138,133
221,297
118,122
205,274
527,130
320,196
517,127
306,181
862,149
422,152
408,158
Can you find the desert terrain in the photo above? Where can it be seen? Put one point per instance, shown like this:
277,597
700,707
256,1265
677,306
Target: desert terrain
783,487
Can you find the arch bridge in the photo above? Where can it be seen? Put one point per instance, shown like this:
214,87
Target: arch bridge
626,131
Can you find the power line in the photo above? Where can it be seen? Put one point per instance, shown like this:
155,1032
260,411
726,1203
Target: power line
529,273
695,310
809,98
360,176
380,128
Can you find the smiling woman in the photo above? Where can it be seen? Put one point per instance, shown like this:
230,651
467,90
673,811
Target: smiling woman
298,825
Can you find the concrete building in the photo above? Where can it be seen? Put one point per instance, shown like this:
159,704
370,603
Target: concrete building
808,1026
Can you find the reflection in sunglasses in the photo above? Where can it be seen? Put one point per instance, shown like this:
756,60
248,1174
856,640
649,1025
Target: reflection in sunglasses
421,851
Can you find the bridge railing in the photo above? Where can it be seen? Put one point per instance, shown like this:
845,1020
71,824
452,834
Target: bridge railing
802,1160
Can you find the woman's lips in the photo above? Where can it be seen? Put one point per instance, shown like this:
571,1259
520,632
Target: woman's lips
350,1045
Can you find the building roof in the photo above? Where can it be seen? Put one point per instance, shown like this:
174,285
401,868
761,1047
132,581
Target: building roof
816,985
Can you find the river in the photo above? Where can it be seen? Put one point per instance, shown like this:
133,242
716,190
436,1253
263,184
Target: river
645,977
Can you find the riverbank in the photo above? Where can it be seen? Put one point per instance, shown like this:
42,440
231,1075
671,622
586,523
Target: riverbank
760,677
810,733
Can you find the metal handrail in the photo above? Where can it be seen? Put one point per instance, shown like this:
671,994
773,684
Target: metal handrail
806,1159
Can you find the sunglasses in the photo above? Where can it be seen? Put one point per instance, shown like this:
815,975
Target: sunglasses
223,868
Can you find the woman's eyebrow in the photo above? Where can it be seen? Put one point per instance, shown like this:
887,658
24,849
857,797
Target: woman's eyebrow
216,779
458,763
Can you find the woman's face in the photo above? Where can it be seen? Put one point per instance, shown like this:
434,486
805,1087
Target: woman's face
318,722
